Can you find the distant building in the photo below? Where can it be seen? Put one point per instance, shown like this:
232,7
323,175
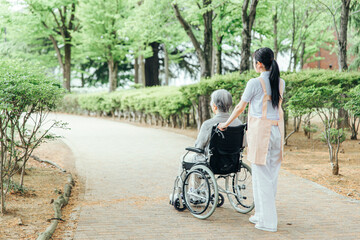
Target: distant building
329,60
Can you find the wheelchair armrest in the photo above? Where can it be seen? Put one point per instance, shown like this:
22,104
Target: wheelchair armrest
194,149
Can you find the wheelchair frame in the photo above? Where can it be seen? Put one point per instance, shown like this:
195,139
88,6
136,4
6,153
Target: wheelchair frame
216,199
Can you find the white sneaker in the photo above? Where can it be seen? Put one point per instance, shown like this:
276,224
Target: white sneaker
253,219
265,229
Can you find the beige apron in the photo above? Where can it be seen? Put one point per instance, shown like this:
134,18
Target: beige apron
259,129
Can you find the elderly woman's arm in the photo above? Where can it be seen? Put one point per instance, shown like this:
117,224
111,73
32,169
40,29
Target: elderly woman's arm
237,111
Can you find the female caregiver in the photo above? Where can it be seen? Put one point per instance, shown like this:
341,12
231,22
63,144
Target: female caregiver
265,135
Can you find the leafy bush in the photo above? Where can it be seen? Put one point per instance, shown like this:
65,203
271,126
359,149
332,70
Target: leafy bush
166,102
27,95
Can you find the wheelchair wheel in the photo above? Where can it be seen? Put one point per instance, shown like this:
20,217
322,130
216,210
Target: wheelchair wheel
221,200
200,192
241,196
177,205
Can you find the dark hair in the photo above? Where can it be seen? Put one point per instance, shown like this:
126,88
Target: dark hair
266,56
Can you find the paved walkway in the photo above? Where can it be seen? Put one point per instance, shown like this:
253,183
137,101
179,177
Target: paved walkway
129,174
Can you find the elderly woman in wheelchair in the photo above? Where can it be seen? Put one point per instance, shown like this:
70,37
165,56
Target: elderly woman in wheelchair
216,155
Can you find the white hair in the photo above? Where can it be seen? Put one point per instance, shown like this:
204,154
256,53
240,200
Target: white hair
222,100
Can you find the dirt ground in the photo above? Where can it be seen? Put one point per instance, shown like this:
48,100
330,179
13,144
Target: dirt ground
309,158
28,213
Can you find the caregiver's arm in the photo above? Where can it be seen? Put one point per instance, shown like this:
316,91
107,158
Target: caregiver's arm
237,111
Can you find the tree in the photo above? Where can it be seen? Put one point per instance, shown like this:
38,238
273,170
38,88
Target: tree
325,101
99,36
153,35
23,37
58,20
341,30
354,48
248,19
227,25
204,52
27,97
353,106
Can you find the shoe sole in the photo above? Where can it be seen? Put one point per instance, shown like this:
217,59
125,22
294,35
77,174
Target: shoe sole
266,229
252,221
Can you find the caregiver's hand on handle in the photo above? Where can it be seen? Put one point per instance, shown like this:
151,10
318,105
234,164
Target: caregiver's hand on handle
237,111
222,126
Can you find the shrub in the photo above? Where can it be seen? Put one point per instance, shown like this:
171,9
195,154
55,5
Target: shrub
27,95
171,103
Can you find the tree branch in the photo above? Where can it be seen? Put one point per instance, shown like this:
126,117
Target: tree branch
72,17
189,32
58,24
252,13
57,50
333,16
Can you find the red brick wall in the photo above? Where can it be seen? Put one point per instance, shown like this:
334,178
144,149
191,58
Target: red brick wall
328,59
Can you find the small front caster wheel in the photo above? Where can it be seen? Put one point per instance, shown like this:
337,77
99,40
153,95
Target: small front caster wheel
177,205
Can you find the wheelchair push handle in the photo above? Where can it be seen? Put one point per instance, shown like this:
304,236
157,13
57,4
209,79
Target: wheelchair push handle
218,131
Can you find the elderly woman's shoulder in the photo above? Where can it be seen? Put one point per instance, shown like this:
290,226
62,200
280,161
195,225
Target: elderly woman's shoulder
209,123
237,122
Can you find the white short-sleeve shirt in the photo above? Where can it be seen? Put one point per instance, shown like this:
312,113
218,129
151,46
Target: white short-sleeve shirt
254,94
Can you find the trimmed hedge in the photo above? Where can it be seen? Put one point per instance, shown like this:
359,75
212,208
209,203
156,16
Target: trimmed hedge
177,105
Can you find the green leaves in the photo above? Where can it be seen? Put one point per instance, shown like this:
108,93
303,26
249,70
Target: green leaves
333,135
306,92
353,101
308,99
23,86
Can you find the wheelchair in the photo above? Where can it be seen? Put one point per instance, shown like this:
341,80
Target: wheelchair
200,192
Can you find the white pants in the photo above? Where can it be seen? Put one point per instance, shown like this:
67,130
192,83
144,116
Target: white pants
264,179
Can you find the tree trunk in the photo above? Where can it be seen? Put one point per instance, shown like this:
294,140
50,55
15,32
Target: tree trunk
204,114
22,175
354,127
342,38
275,22
82,80
67,67
187,120
113,70
293,34
294,63
302,55
141,70
152,66
245,51
247,21
208,39
136,71
343,119
2,195
218,54
335,169
166,65
213,62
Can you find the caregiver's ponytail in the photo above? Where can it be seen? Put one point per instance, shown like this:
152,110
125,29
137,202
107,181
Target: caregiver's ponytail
274,83
266,56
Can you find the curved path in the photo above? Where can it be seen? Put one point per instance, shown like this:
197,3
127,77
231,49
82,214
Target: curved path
129,174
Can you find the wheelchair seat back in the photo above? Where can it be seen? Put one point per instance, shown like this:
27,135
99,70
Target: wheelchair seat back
225,148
